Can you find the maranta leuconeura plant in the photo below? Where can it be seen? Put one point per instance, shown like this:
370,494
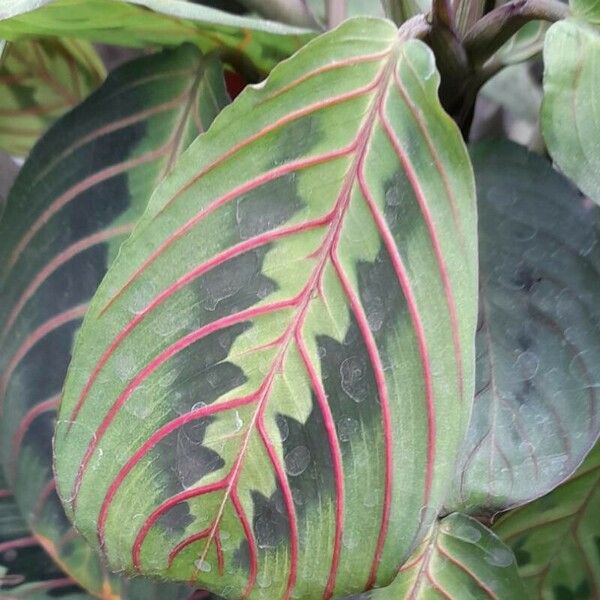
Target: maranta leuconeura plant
299,299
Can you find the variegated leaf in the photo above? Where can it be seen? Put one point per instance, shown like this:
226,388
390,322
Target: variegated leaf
39,81
536,407
143,23
556,539
273,380
26,571
74,202
459,559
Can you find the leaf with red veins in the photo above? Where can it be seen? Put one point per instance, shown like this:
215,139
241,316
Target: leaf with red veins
460,556
74,202
285,343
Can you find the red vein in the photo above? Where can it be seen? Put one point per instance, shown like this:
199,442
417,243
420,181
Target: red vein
192,539
288,498
72,193
467,571
47,490
171,351
51,584
336,459
334,66
382,393
31,415
248,186
26,542
59,260
435,243
5,494
245,246
152,441
237,505
38,109
72,314
278,172
120,124
301,303
432,150
417,323
125,122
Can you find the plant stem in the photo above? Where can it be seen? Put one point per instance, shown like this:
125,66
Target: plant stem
335,12
442,14
499,25
416,27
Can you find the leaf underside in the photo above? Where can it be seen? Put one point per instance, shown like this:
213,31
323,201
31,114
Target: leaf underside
570,115
555,539
39,81
535,415
74,202
284,345
459,559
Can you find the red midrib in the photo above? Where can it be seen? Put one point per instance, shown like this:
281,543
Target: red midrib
293,332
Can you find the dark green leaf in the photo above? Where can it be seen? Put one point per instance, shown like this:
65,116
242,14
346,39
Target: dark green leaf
26,571
556,539
74,202
275,377
538,343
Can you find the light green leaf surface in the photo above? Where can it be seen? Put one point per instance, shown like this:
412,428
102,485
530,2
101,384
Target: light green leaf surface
459,559
571,107
588,10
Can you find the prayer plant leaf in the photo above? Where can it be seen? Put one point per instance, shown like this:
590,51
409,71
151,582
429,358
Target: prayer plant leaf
39,81
459,559
556,538
535,415
74,202
275,376
143,23
26,571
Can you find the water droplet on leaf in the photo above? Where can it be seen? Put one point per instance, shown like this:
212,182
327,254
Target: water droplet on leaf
297,460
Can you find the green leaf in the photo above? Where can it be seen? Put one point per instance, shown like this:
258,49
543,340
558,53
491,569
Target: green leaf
295,12
459,559
167,23
587,10
556,538
39,81
570,110
74,202
274,378
535,415
525,44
